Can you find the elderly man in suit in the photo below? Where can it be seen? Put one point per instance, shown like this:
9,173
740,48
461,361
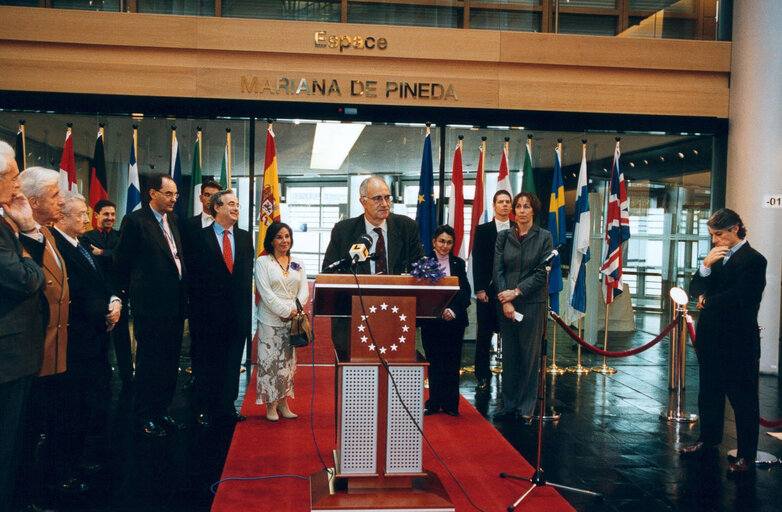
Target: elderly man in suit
729,285
22,320
395,242
485,288
220,260
94,311
101,243
149,266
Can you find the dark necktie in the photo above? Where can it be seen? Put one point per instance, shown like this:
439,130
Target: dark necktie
84,253
228,255
381,265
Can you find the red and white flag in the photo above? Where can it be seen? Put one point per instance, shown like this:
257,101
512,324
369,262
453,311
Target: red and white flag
503,178
456,203
68,164
478,214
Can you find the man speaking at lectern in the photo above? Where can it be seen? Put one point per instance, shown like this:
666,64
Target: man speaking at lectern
396,244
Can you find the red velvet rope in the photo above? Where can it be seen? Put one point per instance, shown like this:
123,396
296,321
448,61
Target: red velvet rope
605,353
763,421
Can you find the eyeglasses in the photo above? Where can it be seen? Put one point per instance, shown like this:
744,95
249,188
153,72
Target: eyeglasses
84,215
232,204
169,195
379,199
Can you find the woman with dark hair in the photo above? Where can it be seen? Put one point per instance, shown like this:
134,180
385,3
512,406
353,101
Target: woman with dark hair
442,337
523,286
280,279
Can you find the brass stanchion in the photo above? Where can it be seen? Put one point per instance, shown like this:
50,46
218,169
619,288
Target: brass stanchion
605,369
498,368
679,339
579,369
554,369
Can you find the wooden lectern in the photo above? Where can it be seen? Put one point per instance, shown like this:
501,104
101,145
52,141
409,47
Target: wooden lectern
379,456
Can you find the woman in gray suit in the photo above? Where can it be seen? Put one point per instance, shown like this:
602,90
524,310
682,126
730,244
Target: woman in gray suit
523,285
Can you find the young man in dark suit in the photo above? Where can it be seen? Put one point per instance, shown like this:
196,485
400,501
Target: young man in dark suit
149,266
94,310
729,285
485,289
22,320
220,262
395,242
101,243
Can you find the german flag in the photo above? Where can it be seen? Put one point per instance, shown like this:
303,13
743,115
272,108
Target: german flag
98,188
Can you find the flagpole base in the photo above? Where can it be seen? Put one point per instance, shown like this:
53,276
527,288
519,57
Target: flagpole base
467,369
678,416
497,369
556,370
579,370
605,370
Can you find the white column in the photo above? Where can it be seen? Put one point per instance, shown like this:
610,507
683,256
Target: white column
755,149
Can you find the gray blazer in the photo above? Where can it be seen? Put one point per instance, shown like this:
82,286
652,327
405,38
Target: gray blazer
514,259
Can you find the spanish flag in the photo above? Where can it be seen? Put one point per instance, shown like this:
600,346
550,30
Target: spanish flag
270,193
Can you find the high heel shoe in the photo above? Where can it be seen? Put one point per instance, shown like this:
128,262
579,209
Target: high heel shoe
286,412
271,412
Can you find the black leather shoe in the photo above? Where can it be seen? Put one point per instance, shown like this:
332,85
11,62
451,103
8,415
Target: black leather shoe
483,385
452,413
170,423
429,412
153,429
71,485
32,507
89,468
695,449
505,416
204,420
740,468
237,417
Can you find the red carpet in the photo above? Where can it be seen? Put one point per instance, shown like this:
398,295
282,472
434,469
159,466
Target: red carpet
469,445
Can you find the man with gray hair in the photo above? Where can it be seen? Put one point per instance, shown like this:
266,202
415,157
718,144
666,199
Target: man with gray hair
94,310
21,320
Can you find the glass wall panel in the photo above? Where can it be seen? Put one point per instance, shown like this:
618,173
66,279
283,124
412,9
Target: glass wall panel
88,5
324,10
490,19
22,3
585,24
389,13
182,7
590,4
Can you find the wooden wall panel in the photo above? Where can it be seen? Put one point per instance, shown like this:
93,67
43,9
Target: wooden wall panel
178,56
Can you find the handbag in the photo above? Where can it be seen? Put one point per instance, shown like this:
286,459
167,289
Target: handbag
301,330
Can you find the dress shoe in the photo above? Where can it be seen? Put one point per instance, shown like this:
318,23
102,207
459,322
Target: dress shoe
526,420
740,467
32,507
451,413
89,468
288,415
505,416
170,423
271,414
71,485
695,449
204,420
428,411
483,385
152,429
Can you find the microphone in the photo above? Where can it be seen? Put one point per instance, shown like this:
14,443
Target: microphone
357,253
553,254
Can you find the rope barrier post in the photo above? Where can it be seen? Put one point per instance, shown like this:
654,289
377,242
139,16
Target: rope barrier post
579,369
605,369
498,356
554,369
672,353
676,413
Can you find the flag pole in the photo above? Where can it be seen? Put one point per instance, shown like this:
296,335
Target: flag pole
554,369
228,153
605,369
24,145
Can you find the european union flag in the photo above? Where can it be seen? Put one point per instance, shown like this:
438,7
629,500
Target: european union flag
425,214
556,224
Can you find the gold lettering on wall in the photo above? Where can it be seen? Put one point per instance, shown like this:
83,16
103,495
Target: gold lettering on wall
344,42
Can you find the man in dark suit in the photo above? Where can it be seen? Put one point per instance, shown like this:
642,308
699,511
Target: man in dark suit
22,320
220,262
485,289
101,243
395,243
149,266
189,228
729,285
94,311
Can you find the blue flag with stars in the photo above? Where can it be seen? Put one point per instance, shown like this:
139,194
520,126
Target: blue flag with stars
425,215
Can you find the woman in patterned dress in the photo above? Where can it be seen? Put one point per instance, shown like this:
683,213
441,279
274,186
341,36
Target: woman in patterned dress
280,279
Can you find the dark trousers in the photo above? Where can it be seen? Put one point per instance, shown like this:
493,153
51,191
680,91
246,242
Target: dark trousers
120,335
216,371
486,313
443,346
736,379
158,343
13,397
521,343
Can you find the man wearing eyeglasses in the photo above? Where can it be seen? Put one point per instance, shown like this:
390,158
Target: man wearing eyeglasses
150,267
396,243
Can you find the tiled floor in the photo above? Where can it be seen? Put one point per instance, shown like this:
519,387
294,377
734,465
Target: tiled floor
609,439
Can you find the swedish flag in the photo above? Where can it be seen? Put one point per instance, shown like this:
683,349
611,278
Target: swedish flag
556,224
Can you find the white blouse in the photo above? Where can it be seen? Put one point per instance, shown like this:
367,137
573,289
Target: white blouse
279,292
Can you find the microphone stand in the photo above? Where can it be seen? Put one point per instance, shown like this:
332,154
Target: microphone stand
538,478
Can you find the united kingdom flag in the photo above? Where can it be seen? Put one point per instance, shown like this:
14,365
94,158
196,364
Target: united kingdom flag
617,231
